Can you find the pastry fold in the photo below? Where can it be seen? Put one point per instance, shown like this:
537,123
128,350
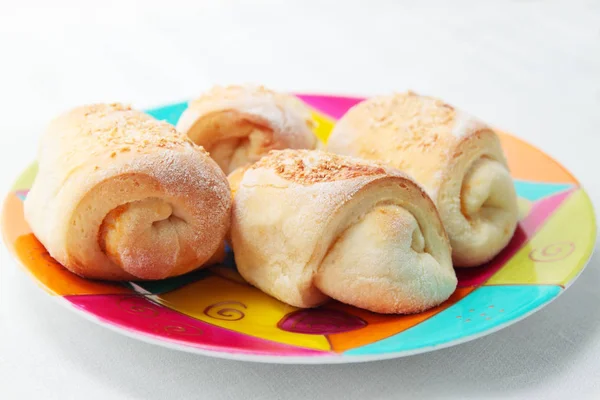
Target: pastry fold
455,157
308,226
237,125
120,195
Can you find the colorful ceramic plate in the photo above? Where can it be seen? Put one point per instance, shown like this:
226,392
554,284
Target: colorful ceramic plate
215,312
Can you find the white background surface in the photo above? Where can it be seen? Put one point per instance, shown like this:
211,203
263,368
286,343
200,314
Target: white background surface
530,67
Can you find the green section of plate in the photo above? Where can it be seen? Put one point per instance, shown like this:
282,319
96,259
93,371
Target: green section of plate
25,180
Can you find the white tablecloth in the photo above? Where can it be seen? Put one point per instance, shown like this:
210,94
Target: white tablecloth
530,67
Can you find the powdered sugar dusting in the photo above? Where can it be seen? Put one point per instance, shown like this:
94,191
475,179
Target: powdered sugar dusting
184,173
465,125
284,113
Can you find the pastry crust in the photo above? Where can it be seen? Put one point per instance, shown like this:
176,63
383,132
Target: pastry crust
237,125
308,226
457,158
120,195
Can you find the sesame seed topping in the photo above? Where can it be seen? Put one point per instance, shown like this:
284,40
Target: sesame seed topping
307,167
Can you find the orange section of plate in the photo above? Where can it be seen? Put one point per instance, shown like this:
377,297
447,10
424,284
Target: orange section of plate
530,164
55,278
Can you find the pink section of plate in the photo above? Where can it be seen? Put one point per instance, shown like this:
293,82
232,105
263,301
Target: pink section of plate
335,109
136,313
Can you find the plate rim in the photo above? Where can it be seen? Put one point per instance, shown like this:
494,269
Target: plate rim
329,358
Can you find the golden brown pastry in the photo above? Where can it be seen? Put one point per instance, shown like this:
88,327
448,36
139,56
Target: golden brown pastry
457,158
308,226
120,195
237,125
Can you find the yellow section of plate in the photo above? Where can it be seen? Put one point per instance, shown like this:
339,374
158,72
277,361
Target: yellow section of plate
324,125
564,240
239,307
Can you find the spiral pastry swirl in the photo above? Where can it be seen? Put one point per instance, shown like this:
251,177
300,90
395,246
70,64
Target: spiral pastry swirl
237,125
457,159
308,226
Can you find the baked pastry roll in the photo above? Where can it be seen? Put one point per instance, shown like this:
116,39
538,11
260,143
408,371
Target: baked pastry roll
237,125
457,159
308,226
120,195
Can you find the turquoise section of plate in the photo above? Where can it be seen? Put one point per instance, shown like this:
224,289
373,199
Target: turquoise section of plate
486,309
170,113
534,191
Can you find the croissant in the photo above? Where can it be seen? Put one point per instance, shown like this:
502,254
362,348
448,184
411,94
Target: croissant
237,125
457,159
120,195
308,226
